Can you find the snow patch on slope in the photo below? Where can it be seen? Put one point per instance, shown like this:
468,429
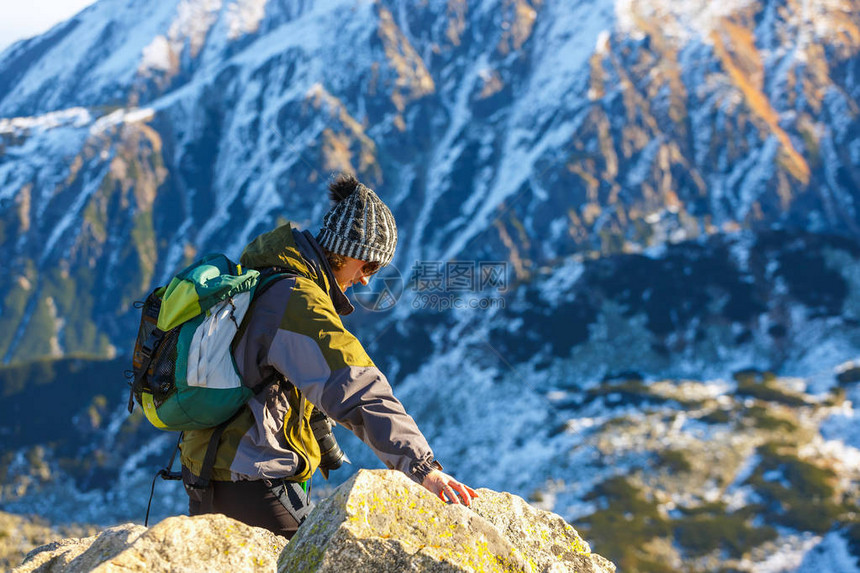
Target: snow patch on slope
680,21
244,16
825,555
73,117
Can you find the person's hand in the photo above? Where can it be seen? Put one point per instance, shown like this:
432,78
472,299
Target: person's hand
448,489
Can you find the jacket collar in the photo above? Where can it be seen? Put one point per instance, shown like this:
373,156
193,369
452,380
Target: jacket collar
314,256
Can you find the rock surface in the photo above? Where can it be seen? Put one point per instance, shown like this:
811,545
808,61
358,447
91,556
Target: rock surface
178,544
382,521
377,521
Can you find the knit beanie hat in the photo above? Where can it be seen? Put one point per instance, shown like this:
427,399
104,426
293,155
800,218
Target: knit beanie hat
359,225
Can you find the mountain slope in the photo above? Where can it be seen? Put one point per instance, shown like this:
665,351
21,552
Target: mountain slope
503,131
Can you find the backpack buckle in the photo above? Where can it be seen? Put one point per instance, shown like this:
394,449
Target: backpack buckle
152,341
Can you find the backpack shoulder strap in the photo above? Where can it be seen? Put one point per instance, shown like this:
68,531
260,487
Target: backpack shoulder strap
271,275
268,277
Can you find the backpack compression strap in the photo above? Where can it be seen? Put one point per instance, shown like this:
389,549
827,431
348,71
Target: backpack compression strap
268,277
148,347
202,481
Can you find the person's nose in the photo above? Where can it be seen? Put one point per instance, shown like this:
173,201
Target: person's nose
364,280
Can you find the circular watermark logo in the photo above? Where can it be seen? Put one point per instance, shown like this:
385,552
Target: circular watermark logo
382,291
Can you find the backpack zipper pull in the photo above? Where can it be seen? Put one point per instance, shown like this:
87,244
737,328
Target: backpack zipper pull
232,310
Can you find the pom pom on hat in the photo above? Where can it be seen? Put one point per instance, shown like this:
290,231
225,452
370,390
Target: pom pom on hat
342,187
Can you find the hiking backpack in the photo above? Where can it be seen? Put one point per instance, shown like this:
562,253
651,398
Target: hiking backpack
184,374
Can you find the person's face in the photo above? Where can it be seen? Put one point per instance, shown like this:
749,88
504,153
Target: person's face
354,271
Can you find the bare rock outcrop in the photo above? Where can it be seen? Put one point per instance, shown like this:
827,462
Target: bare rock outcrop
383,522
178,544
378,521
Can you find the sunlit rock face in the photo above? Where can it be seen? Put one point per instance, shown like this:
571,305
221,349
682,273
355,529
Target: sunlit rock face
382,520
378,520
203,543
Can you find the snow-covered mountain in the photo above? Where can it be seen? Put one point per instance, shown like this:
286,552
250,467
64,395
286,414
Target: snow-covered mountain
669,186
138,134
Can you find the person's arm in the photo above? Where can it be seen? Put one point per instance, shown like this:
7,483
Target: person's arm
328,364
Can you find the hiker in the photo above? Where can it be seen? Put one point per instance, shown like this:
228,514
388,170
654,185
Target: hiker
265,456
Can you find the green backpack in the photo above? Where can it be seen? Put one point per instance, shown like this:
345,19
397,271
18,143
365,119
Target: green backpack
185,377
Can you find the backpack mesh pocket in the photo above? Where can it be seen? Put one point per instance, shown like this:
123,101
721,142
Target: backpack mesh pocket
161,375
154,359
148,326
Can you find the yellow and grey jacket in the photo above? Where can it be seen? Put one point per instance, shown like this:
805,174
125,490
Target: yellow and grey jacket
295,331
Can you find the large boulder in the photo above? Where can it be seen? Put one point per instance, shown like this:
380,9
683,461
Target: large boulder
383,522
178,544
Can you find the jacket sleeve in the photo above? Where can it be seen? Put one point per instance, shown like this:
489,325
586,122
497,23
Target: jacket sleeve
327,363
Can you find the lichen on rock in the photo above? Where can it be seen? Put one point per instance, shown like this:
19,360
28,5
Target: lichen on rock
382,521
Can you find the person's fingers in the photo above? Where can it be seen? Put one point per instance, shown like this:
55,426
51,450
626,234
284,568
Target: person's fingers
449,490
464,495
449,493
467,489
